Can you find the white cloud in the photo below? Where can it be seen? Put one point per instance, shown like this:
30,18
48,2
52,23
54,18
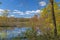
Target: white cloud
30,12
18,12
11,16
42,3
21,13
15,10
8,10
26,12
37,11
1,10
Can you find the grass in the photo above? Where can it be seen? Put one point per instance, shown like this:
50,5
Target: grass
3,34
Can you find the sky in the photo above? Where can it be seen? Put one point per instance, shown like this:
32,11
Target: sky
23,8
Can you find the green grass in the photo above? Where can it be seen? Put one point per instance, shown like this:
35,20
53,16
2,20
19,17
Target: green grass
3,34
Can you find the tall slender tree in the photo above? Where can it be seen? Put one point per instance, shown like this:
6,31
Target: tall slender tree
54,19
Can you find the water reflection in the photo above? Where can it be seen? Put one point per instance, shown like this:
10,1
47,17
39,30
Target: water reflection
13,33
16,32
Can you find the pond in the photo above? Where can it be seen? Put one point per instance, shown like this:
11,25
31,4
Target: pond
9,34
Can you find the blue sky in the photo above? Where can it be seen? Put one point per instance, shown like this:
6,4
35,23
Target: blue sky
23,8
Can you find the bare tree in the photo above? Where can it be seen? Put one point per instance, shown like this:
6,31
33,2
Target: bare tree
5,13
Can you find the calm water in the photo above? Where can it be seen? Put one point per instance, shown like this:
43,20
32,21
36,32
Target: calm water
8,34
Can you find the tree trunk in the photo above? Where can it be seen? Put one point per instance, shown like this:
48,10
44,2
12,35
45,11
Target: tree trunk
54,19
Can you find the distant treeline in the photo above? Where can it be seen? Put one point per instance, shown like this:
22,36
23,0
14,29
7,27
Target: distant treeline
12,19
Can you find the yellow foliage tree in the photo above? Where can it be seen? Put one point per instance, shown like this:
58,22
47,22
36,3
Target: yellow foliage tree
46,21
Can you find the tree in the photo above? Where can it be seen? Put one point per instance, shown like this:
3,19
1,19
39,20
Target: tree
54,19
46,20
5,13
4,17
